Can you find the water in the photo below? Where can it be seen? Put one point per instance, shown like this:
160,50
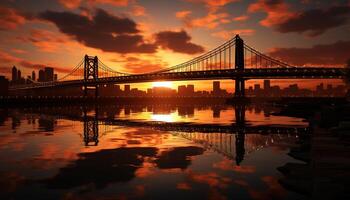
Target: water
120,153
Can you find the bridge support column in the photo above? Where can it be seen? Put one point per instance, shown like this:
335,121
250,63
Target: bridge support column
90,75
239,65
239,87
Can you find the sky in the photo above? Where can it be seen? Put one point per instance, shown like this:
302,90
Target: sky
138,36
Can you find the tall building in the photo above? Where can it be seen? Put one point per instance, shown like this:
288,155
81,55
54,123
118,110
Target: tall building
55,77
216,88
14,74
41,76
49,74
190,90
181,90
4,86
19,75
33,76
267,85
126,90
257,89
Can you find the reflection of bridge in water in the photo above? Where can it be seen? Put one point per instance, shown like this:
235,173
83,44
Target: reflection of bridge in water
234,146
233,141
227,140
97,121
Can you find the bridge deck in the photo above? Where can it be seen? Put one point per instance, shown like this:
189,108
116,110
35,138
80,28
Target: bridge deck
269,73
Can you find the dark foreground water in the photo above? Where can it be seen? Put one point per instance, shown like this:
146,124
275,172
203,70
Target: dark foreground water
206,152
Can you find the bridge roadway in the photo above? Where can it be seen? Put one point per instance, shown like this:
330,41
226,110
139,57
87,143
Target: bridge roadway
249,73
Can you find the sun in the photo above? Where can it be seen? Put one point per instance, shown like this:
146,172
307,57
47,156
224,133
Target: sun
162,84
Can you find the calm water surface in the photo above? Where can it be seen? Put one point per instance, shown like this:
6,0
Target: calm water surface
72,153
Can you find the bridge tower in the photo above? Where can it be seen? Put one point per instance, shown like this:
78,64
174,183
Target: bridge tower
90,74
239,65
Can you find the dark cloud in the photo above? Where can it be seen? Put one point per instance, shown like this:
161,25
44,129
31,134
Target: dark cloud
316,21
179,157
119,165
326,54
103,31
177,42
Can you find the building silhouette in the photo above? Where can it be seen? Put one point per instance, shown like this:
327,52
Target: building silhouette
49,74
126,90
41,76
216,88
267,87
4,86
184,90
33,76
19,75
14,74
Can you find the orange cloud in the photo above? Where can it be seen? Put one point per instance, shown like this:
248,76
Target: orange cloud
213,4
183,14
45,40
10,18
19,51
212,20
240,18
133,64
138,10
8,58
71,4
277,11
229,34
111,2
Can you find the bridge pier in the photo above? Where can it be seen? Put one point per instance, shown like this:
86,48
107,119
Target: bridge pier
239,65
239,87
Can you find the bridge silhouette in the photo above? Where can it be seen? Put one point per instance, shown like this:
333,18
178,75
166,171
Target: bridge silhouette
232,60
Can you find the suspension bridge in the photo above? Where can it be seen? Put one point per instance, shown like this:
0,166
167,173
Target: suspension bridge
232,60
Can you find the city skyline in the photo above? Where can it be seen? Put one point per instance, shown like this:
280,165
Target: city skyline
189,90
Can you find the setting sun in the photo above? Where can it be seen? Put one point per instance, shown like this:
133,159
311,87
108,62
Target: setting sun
162,84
